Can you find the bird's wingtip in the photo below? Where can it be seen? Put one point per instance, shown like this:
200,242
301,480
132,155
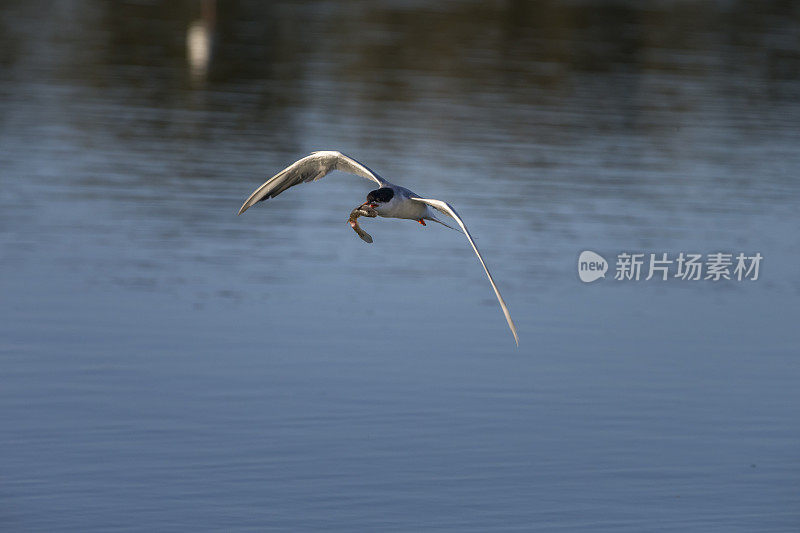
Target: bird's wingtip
513,328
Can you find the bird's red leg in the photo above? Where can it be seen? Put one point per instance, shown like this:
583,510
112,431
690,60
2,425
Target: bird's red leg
422,222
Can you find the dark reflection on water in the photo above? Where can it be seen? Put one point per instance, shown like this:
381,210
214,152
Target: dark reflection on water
170,366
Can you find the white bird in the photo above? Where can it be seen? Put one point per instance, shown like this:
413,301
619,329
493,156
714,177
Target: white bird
389,200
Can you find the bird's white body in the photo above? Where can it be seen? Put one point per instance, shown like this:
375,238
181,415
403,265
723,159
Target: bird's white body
389,201
402,206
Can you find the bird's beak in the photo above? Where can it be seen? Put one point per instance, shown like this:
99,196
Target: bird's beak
369,204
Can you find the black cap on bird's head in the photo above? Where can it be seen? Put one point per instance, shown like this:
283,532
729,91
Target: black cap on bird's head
379,196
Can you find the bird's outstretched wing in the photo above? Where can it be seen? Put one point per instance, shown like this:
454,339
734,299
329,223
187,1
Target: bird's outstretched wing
310,168
448,210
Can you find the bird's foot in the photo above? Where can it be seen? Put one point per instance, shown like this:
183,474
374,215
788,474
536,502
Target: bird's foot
422,222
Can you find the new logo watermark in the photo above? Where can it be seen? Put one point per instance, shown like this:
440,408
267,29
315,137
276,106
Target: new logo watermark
591,266
686,266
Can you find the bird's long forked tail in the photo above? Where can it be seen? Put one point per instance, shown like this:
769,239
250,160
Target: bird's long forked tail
448,210
434,219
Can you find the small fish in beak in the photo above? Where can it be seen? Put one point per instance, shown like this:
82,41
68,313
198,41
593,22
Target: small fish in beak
364,210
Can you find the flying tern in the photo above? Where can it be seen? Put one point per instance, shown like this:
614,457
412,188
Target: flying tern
388,200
